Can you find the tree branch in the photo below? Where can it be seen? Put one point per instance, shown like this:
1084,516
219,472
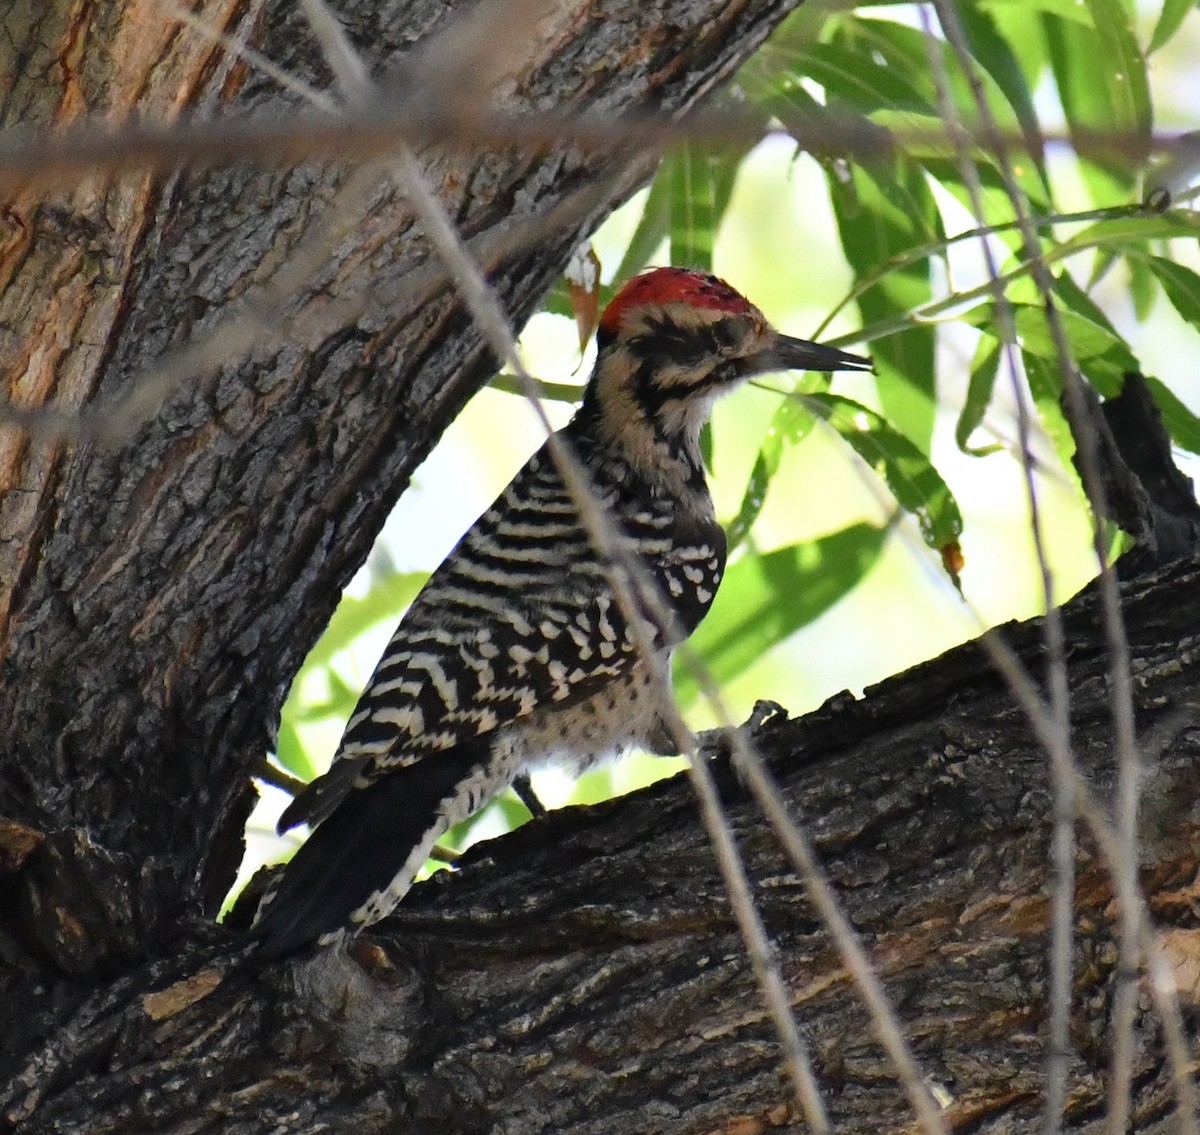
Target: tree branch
576,974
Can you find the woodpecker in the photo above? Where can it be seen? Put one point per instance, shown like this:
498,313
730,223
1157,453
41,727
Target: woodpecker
518,650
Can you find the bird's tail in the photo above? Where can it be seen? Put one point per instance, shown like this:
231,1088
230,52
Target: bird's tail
358,863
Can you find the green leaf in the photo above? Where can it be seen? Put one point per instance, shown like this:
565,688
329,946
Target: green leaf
1125,232
1068,9
1074,297
780,93
1143,287
791,424
880,214
1045,386
653,226
1124,63
1085,337
693,209
979,397
994,52
1021,26
700,180
389,596
291,753
1104,91
765,598
1181,284
917,486
707,446
1181,423
847,72
1170,19
905,50
930,146
1105,369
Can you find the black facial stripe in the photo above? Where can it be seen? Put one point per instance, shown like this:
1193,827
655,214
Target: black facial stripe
687,346
652,396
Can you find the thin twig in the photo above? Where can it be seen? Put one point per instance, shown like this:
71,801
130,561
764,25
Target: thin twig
915,255
1062,898
1121,699
33,159
481,301
247,54
1129,895
270,773
799,850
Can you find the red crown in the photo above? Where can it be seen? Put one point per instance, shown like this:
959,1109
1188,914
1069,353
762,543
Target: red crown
673,285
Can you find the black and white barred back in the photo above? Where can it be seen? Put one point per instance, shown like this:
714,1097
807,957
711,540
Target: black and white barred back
517,650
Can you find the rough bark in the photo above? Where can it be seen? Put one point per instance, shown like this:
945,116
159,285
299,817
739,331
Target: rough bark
584,975
158,596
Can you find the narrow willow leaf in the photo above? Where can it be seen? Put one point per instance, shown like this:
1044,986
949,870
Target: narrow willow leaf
1124,65
791,424
653,226
880,214
1105,259
1086,338
917,486
907,49
1102,83
693,209
765,598
937,154
701,180
1068,9
1124,232
781,95
1045,387
1181,284
1105,369
1021,26
557,301
839,68
979,396
1143,287
884,211
1181,423
708,452
1170,19
340,702
1074,297
995,53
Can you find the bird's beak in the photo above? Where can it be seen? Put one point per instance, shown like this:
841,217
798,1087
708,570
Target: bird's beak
786,353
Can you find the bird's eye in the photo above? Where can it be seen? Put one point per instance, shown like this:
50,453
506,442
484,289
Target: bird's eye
725,335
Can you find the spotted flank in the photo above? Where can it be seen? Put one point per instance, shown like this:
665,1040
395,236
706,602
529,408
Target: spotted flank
520,615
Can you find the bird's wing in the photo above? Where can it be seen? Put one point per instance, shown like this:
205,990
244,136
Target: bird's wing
519,616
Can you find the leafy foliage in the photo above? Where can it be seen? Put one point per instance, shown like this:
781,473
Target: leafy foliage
957,155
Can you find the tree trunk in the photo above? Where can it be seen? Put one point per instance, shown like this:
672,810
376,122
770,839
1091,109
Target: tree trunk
157,596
